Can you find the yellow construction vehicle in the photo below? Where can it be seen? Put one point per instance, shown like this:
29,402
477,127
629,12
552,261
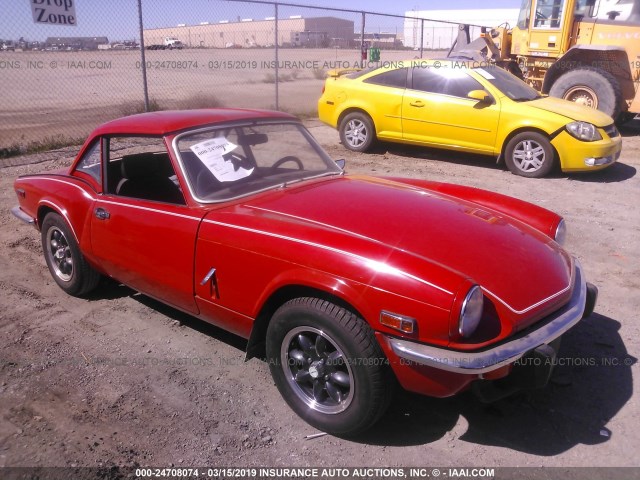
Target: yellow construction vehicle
586,51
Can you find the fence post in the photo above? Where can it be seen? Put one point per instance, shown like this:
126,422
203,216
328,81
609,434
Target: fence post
421,37
276,44
362,49
142,59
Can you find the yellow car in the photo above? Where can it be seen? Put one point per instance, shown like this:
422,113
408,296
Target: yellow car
455,105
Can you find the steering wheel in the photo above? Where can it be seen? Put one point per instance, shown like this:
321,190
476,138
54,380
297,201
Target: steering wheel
288,158
238,160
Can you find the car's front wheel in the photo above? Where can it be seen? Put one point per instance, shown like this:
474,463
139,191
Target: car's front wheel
530,154
357,132
66,263
328,366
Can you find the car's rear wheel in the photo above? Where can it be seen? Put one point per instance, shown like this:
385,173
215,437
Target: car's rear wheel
357,132
530,154
328,366
66,263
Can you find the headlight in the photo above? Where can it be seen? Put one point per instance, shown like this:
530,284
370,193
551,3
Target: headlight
471,312
584,131
561,233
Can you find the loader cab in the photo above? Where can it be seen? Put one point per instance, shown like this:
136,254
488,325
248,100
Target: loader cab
544,27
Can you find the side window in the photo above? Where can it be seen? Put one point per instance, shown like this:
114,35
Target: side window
90,163
140,167
392,78
427,80
548,13
445,81
525,15
460,87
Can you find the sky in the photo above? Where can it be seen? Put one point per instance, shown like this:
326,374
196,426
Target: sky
118,19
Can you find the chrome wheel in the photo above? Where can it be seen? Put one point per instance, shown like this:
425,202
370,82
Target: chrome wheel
582,95
59,253
529,156
317,370
356,133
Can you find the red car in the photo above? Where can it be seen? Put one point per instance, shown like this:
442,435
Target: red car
345,284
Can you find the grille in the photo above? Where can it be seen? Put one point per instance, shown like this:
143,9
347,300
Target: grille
612,131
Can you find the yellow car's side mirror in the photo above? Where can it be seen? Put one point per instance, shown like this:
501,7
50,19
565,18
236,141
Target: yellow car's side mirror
480,95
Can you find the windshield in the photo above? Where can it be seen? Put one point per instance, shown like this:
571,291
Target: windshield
229,162
509,84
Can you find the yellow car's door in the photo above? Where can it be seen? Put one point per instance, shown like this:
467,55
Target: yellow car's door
436,110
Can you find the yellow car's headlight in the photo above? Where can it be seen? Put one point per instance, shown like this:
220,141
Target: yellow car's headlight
584,131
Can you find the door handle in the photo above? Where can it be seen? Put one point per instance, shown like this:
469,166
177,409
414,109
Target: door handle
102,214
211,279
417,103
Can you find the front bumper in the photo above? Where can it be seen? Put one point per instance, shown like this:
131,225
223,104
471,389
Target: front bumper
576,156
580,305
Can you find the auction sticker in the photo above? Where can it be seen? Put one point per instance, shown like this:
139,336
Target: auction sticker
212,152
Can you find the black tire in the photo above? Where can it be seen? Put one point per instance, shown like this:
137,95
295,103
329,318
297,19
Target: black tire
530,154
357,132
344,383
592,87
66,263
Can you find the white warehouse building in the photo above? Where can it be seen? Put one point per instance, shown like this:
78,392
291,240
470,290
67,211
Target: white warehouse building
438,35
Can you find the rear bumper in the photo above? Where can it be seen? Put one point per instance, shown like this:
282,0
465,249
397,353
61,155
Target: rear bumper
506,353
18,213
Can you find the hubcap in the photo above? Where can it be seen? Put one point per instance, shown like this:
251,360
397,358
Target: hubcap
356,133
59,254
317,370
582,95
529,156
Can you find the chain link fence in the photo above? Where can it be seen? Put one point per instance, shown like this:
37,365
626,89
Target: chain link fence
126,57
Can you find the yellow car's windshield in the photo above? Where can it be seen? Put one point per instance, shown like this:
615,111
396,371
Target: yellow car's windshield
509,84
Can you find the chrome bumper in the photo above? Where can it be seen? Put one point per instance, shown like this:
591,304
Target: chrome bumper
473,363
22,216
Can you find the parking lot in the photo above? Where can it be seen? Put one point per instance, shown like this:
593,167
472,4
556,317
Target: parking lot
118,378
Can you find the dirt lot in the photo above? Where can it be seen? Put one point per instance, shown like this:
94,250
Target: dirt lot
49,94
120,379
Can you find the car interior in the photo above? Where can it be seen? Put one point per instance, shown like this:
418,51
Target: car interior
147,175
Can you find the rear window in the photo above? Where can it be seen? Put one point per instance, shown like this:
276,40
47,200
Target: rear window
392,78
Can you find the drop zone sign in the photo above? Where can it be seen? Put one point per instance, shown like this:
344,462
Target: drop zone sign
54,12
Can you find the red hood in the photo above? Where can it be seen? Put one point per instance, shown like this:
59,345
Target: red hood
516,265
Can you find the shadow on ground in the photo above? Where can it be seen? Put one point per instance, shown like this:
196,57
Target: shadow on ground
590,384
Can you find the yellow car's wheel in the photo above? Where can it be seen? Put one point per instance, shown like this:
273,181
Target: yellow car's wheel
530,154
357,132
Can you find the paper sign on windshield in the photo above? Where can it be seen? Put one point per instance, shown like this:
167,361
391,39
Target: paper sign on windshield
210,152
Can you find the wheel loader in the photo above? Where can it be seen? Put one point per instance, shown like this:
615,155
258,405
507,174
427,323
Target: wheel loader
586,51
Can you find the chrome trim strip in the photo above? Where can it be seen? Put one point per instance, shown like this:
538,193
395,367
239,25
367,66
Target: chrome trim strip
474,363
148,209
20,215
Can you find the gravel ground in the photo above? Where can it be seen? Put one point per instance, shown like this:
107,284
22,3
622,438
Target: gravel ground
120,379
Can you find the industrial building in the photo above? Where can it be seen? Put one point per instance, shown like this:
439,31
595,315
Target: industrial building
438,35
295,31
75,43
